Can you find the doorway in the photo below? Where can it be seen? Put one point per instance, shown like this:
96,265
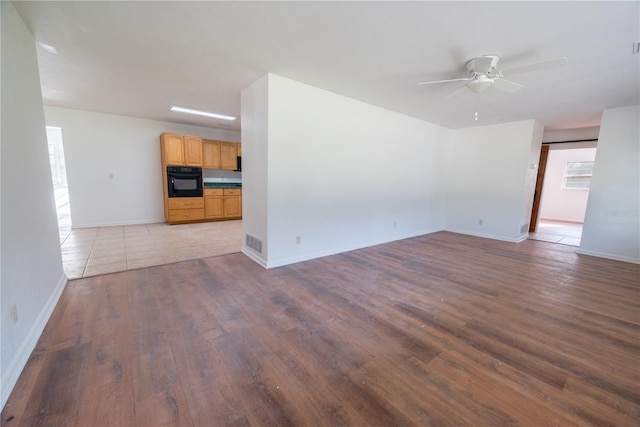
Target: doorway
562,190
59,176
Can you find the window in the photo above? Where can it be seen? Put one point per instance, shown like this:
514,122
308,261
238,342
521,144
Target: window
577,175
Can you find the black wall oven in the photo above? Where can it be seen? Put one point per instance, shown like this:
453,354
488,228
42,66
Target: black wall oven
184,181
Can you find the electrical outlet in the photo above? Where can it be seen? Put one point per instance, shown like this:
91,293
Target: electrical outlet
395,224
480,222
297,240
110,175
14,314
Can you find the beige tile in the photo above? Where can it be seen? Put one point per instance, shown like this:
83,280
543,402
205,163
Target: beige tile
76,253
88,252
112,229
144,262
104,269
110,259
85,232
72,262
571,241
545,237
107,252
146,243
154,252
74,273
109,240
78,241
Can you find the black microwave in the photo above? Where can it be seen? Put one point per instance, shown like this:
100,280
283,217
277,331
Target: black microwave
184,181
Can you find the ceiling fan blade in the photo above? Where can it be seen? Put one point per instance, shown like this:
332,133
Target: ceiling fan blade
444,81
455,92
543,65
506,85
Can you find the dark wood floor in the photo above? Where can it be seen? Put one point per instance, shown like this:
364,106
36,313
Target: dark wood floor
443,329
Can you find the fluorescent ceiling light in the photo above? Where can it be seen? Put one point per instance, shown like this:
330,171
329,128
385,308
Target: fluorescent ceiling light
200,113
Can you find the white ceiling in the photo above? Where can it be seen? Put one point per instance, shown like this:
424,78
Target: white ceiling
137,58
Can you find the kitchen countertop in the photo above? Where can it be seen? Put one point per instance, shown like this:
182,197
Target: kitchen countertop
222,185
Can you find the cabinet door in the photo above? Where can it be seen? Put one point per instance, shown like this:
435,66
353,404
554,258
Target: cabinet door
172,149
192,150
213,207
232,207
228,155
210,154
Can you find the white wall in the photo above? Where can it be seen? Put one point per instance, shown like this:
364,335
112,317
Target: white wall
97,144
576,134
612,221
255,165
490,177
558,203
342,174
31,275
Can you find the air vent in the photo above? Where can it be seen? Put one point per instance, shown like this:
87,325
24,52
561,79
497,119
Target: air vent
253,243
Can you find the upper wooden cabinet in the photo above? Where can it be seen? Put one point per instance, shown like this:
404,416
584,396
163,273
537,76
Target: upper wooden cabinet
228,155
172,149
192,150
181,150
211,154
220,154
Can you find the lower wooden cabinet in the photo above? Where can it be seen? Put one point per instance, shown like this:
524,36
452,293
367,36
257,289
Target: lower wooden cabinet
232,203
185,209
213,203
217,204
186,215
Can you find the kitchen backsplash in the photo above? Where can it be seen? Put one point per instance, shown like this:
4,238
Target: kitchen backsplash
218,175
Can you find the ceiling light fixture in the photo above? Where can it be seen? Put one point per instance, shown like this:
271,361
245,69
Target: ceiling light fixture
480,84
200,113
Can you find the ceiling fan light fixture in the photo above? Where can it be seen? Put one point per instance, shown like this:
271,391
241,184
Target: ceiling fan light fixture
479,86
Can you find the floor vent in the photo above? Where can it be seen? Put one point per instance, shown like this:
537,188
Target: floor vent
254,243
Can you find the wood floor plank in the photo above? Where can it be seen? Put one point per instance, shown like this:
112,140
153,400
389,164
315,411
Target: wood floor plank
442,329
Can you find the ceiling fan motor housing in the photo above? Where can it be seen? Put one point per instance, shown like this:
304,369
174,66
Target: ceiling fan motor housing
485,64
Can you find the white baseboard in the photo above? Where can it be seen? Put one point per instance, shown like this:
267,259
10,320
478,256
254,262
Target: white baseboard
119,223
254,256
322,253
518,239
609,256
20,359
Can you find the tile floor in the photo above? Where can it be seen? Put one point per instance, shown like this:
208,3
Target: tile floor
100,250
566,233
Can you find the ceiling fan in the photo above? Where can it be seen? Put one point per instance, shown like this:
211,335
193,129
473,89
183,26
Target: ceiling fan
484,73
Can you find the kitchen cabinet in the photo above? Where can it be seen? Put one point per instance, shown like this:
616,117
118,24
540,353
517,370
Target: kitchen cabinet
223,203
172,151
185,209
180,150
192,150
213,203
232,202
228,155
220,154
210,154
